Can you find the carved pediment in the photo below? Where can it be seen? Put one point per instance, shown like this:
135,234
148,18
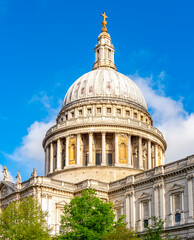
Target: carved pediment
61,204
144,196
176,187
6,188
118,203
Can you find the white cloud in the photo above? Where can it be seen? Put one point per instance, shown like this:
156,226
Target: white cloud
170,118
43,98
31,153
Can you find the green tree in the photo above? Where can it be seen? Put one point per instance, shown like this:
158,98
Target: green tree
23,220
156,231
122,233
88,218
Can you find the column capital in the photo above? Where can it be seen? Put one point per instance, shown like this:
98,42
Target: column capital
189,177
103,133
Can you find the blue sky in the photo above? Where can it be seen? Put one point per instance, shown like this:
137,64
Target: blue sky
46,45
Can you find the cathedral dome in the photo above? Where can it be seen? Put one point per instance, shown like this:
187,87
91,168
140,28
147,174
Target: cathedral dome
103,83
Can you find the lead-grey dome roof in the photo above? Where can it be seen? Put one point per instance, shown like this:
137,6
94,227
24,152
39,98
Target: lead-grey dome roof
104,82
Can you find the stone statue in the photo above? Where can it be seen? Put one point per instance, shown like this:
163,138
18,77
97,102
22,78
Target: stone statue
5,174
34,173
18,178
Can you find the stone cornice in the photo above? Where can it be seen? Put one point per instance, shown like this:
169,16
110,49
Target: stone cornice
118,127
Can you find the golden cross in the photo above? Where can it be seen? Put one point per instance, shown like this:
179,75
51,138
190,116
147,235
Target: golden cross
104,16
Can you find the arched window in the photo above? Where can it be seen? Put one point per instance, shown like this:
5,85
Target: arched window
72,152
123,153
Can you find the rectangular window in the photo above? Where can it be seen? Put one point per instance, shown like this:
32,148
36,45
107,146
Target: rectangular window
89,110
127,113
109,157
141,118
177,202
118,111
98,110
135,115
145,223
109,53
108,110
80,112
98,159
177,217
72,114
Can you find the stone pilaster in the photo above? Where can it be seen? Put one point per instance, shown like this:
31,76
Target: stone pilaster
162,201
133,214
127,207
190,196
156,200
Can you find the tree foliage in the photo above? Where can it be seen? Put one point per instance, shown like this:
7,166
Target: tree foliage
88,218
122,233
23,220
155,231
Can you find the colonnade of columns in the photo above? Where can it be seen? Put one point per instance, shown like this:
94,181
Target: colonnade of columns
60,161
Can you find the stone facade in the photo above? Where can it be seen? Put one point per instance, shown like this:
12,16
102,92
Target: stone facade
104,138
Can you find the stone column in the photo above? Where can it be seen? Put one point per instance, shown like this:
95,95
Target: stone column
150,212
190,196
156,155
140,153
103,149
51,157
162,202
155,200
127,207
133,209
78,149
183,208
67,152
58,154
90,149
149,155
116,150
129,151
163,158
47,161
